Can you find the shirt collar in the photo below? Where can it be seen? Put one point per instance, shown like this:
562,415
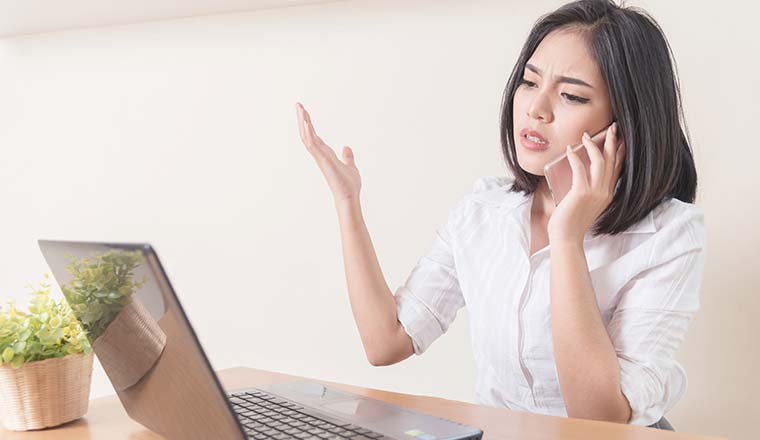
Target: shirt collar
501,196
645,225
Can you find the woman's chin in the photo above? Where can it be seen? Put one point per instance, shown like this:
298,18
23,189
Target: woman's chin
535,169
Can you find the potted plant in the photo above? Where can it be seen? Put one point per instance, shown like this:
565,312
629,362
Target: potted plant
126,338
45,363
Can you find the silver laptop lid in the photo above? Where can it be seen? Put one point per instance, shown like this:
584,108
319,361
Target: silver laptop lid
143,338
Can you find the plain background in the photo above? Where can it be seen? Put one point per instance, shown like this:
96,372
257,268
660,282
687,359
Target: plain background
183,133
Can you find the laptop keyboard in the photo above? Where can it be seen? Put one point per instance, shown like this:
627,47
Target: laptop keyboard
266,417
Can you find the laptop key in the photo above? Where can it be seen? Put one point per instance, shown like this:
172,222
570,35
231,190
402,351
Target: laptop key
256,426
352,427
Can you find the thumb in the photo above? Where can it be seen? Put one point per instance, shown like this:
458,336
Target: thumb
348,156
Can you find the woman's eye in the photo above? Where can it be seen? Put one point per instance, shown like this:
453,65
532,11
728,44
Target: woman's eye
529,83
568,96
575,98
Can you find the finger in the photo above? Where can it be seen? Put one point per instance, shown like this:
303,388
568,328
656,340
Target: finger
348,156
619,159
312,137
597,160
580,178
309,136
610,146
299,115
610,141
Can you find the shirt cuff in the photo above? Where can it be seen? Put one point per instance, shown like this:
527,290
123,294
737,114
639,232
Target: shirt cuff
418,321
647,395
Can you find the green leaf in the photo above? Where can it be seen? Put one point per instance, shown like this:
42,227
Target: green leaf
55,322
8,354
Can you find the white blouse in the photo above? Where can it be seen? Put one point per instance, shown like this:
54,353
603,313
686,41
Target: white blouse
646,282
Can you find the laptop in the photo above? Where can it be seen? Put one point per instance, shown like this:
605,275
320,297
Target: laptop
152,356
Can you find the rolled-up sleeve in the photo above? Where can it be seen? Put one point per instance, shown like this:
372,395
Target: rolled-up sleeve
428,301
651,320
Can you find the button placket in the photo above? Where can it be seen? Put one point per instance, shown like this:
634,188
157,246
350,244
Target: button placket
524,298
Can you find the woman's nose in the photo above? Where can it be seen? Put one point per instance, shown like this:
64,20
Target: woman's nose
540,108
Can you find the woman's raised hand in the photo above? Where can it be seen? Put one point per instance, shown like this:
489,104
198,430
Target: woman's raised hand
342,176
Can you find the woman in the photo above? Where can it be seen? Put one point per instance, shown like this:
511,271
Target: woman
576,309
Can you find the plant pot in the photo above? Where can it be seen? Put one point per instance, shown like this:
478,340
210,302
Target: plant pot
130,345
45,393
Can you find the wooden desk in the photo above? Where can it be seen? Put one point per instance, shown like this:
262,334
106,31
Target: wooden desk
107,419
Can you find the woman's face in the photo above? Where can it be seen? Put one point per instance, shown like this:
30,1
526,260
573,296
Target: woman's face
562,95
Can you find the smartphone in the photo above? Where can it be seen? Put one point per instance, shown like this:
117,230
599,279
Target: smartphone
559,173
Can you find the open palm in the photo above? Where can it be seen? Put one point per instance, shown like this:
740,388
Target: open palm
342,175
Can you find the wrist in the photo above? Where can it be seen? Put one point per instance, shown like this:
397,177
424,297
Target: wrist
564,237
348,206
566,244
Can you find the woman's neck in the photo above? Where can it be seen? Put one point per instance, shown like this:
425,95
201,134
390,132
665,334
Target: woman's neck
543,204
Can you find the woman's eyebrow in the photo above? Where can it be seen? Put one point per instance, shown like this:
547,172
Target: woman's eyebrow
565,79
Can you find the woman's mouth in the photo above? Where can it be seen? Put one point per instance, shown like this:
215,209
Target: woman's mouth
533,140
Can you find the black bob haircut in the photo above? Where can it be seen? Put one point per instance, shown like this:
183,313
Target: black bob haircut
636,61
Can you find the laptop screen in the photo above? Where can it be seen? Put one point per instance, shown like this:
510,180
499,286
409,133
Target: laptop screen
142,338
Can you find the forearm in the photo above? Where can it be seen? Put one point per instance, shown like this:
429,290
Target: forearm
372,301
587,364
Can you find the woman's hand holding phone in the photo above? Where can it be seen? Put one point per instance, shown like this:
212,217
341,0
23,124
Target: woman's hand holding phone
559,174
592,185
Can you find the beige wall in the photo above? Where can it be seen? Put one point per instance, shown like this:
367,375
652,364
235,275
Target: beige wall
183,133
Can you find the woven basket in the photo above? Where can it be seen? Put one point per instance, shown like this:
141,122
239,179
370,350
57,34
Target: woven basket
45,393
